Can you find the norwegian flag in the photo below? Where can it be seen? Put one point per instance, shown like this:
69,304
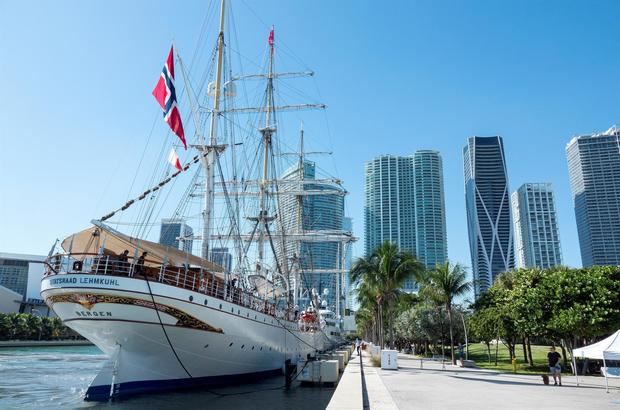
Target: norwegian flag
165,94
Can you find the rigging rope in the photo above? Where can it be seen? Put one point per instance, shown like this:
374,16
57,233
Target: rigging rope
155,188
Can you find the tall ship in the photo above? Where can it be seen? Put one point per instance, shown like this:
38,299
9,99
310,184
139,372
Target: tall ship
264,285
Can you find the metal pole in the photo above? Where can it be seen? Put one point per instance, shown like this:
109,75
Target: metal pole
606,380
466,342
209,174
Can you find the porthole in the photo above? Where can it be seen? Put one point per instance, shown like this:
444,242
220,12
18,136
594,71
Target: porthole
248,314
220,305
242,346
254,317
231,343
206,302
252,347
261,348
238,311
232,310
191,298
207,345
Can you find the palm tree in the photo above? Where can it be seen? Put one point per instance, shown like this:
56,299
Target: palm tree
367,298
382,275
442,285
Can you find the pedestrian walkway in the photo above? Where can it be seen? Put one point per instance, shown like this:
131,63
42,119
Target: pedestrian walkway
432,385
361,387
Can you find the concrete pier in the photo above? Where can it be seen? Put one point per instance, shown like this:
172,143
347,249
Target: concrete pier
433,386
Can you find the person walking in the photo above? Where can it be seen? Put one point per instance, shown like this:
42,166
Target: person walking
554,365
358,345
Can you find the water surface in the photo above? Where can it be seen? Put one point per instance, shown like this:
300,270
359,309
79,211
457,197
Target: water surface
57,377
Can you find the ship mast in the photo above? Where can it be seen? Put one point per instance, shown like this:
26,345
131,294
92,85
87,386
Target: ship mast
267,132
212,148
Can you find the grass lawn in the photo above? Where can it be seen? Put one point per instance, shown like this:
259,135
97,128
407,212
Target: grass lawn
478,353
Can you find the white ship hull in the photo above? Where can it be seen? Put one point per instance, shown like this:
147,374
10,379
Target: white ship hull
169,337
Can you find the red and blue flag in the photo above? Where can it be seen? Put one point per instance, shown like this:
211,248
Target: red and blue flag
166,96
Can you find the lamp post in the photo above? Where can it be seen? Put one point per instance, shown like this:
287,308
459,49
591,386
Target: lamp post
465,329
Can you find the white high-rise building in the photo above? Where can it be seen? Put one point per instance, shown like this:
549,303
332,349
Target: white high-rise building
430,213
537,237
389,210
594,168
405,205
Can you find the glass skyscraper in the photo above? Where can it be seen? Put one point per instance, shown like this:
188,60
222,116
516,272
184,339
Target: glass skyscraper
488,210
405,205
349,292
389,211
594,168
537,237
171,230
317,212
430,214
221,257
14,273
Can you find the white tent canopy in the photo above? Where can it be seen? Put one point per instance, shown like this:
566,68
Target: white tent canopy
606,349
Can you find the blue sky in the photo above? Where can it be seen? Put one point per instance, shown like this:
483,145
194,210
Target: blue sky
76,109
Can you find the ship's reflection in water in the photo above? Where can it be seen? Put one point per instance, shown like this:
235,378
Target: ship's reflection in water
57,377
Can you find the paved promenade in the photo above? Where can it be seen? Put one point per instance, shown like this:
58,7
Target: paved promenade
457,388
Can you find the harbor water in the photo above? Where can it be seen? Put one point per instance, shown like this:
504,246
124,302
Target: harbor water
57,378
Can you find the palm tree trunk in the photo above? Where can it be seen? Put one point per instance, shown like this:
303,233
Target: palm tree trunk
449,308
380,325
391,326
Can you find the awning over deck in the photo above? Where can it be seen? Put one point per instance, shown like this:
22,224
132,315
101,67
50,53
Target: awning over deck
89,241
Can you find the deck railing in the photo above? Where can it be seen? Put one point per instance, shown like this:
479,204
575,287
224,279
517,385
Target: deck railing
187,277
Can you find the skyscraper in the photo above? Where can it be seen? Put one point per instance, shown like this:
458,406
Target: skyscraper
349,291
171,230
221,257
488,210
430,214
594,168
22,274
389,211
537,237
315,213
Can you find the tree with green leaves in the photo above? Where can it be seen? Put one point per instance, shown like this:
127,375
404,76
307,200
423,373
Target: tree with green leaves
442,285
381,276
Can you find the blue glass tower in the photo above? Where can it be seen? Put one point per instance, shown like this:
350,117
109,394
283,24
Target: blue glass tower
317,212
488,210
